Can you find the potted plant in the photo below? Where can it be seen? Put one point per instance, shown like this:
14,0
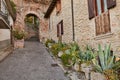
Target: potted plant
19,36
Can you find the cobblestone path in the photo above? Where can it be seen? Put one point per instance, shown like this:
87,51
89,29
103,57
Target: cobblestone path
30,63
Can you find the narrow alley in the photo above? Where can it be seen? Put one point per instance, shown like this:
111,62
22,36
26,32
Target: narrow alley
59,39
30,63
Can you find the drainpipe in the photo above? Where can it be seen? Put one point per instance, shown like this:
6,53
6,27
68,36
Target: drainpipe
72,9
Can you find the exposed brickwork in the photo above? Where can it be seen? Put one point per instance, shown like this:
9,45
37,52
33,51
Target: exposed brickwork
24,8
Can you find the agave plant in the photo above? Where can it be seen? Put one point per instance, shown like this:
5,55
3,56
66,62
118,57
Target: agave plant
106,63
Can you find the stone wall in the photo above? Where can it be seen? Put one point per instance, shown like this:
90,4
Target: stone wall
65,15
85,29
85,32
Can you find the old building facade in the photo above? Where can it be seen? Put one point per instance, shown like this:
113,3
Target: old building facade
34,7
86,22
7,18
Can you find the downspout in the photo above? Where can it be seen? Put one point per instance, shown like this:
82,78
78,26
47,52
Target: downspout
72,9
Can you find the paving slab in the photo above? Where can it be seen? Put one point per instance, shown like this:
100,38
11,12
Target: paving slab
30,63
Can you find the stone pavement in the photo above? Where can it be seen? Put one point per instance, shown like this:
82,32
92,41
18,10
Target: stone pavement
30,63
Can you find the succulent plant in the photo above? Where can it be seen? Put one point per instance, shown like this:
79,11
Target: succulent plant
86,55
106,62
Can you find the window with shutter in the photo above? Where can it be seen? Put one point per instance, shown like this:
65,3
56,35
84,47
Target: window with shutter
97,7
60,28
57,30
91,9
99,10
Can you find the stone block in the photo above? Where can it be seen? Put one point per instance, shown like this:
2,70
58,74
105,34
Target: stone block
19,44
97,76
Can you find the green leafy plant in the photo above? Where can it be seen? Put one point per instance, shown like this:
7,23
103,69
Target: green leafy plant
87,55
49,42
106,63
18,34
70,56
117,68
66,59
56,47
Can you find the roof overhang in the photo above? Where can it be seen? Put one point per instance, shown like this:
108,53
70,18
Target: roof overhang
50,8
3,24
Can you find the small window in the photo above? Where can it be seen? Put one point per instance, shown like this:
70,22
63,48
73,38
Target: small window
60,28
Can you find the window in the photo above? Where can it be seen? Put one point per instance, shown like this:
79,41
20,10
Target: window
3,7
96,7
99,10
58,6
100,6
60,28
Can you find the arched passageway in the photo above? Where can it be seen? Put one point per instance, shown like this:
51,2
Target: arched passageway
32,23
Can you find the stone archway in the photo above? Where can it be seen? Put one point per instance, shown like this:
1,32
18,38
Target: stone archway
24,8
32,25
35,14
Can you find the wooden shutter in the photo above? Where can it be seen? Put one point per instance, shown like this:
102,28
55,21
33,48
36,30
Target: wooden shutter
111,3
0,5
102,23
98,25
62,27
91,9
106,22
58,30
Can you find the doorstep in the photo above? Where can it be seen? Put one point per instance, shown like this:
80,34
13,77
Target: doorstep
5,52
